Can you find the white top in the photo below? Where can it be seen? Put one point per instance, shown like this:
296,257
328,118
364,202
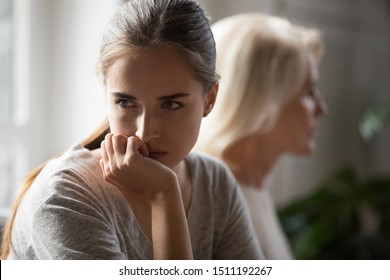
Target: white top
266,222
71,212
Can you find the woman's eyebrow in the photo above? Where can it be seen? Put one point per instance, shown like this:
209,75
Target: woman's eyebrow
161,98
123,95
173,96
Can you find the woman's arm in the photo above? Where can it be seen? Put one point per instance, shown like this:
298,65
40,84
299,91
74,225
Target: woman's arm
170,233
126,165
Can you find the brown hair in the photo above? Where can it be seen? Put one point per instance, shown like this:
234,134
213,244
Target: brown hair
142,25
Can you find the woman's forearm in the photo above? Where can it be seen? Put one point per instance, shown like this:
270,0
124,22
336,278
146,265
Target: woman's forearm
170,233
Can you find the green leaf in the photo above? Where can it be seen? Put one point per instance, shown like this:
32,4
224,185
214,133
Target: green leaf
327,223
374,120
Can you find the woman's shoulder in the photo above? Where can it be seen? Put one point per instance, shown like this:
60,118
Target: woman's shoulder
75,174
76,157
76,160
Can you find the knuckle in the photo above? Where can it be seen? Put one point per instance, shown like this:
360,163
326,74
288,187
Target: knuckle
108,136
116,137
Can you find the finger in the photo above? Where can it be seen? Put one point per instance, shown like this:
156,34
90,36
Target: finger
119,143
137,146
101,161
143,150
109,148
106,164
105,168
108,144
103,152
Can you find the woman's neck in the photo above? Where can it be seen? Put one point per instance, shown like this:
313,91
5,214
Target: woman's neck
252,159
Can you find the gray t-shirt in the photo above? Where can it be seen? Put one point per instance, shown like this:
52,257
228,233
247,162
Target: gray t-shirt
70,212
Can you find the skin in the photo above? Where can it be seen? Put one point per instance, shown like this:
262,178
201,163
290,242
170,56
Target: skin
293,132
295,129
155,108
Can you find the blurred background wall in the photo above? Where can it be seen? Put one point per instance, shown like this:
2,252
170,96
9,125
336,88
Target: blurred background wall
50,98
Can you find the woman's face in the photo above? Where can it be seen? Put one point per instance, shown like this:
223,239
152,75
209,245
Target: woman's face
156,97
295,128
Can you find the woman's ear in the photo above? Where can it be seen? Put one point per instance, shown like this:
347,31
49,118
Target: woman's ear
210,99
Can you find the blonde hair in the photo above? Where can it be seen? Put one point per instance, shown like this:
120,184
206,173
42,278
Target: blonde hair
144,25
261,60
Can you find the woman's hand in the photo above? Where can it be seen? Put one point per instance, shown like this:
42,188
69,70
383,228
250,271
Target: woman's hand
125,164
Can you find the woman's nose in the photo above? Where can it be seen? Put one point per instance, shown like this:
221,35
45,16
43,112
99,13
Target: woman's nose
321,106
147,127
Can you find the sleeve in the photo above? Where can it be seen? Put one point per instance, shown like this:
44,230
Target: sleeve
238,240
71,224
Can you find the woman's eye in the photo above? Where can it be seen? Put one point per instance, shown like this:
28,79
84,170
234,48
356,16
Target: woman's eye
171,105
125,103
311,91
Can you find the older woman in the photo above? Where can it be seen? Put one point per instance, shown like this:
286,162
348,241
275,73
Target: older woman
268,105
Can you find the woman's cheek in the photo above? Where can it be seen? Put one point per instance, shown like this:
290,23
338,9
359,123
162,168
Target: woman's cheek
122,124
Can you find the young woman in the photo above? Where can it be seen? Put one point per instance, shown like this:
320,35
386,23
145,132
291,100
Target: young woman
268,105
132,190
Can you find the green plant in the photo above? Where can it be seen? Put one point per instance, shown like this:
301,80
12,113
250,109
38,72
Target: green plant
373,121
347,217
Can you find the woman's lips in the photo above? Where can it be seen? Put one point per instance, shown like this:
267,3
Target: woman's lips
156,155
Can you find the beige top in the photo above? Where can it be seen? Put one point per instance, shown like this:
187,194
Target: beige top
265,220
70,212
